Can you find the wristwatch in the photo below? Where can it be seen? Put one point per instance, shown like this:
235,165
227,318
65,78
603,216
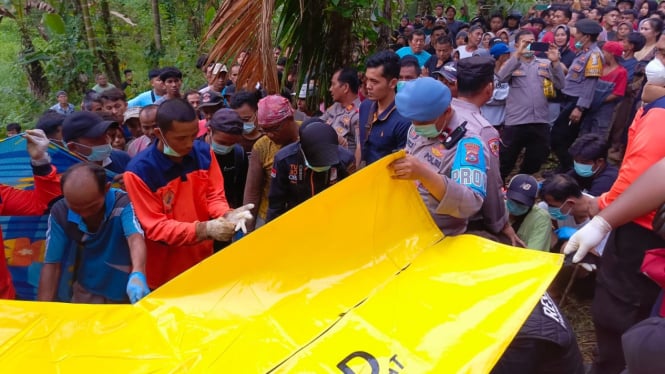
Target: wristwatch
580,108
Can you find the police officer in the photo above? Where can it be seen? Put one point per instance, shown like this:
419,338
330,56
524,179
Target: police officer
307,167
475,83
446,157
579,89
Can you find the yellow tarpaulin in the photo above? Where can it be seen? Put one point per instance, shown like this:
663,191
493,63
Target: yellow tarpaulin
356,279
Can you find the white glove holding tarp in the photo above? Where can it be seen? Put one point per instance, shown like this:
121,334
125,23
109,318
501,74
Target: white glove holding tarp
587,238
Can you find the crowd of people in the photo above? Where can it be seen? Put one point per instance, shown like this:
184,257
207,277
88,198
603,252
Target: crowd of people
468,100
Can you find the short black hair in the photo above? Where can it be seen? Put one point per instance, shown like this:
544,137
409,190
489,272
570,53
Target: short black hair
98,173
637,40
537,20
127,71
439,27
14,127
476,27
390,62
520,34
560,187
113,94
245,97
590,147
472,81
201,61
631,12
349,76
174,110
496,15
444,40
410,61
148,108
566,11
49,122
608,9
417,32
430,18
89,98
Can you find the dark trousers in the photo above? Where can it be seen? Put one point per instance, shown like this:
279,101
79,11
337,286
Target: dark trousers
623,295
564,134
534,138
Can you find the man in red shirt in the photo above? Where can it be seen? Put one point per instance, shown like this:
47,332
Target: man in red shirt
177,190
14,202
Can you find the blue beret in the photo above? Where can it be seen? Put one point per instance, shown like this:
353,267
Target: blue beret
423,99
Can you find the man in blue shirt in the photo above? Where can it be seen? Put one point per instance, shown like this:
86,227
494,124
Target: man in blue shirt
382,129
150,97
63,106
416,48
94,229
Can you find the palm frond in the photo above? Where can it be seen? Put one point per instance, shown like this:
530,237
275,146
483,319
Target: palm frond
245,25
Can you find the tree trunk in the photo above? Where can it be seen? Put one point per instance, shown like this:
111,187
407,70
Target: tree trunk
34,69
424,7
108,54
385,30
157,28
89,33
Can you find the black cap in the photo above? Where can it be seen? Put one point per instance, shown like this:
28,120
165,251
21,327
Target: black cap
588,27
631,2
84,125
154,73
170,72
50,121
211,99
523,188
643,347
226,120
319,143
476,67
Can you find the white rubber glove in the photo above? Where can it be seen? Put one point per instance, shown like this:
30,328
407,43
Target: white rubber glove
220,229
37,144
587,238
588,267
240,216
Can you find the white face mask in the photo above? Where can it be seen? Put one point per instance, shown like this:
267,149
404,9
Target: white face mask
655,72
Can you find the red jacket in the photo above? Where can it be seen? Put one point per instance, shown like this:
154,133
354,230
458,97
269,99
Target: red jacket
15,202
169,199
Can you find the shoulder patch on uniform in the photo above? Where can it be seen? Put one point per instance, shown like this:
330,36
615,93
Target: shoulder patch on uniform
494,145
469,165
273,172
594,66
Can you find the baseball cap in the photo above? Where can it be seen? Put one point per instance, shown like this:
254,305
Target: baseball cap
494,40
170,72
211,99
84,125
448,71
588,27
423,99
643,347
499,49
132,112
523,188
319,143
273,109
615,48
226,120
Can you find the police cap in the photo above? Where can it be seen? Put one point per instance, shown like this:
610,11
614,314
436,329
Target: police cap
476,67
588,27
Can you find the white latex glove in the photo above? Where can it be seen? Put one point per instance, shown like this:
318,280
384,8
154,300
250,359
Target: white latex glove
587,238
240,216
37,144
588,267
220,229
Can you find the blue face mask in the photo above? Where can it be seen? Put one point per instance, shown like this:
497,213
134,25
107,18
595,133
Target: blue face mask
168,150
579,45
516,209
221,149
427,131
583,170
248,127
400,85
97,153
556,213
